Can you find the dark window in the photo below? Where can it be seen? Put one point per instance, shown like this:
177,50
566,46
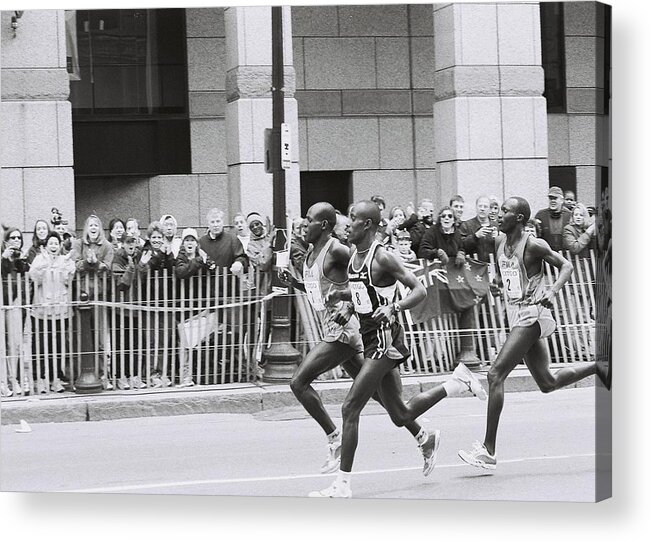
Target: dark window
607,44
553,55
564,177
129,106
334,187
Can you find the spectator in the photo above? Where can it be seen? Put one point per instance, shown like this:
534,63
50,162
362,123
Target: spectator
418,223
298,246
457,203
382,227
259,251
241,229
116,233
403,244
553,219
494,211
342,229
443,240
222,247
154,258
397,216
61,227
133,228
188,264
129,337
14,266
478,234
93,255
532,227
171,242
579,234
570,200
41,231
52,275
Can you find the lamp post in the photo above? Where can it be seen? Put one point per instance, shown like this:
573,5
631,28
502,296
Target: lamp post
281,358
87,381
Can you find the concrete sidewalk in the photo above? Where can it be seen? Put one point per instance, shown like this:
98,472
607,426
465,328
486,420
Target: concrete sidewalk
235,398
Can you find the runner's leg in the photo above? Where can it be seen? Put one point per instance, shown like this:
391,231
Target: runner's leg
517,344
366,383
323,357
353,366
537,360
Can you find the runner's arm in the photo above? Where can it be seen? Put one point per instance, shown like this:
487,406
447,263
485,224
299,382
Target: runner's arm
541,249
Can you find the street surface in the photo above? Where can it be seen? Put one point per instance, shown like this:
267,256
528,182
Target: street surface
545,452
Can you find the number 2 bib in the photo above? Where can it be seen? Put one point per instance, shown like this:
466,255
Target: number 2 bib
512,283
361,300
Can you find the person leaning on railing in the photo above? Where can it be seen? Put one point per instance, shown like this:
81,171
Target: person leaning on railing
52,274
443,240
14,266
579,234
93,255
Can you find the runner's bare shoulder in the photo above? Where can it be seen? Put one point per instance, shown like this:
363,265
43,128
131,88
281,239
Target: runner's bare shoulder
339,252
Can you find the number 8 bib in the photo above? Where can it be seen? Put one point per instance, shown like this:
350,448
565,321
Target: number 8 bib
361,300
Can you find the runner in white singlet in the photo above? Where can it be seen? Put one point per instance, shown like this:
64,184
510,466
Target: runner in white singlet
528,300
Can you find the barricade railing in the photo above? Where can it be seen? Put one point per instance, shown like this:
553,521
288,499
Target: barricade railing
158,331
212,328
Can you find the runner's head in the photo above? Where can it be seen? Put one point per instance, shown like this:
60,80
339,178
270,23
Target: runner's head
515,213
365,218
320,220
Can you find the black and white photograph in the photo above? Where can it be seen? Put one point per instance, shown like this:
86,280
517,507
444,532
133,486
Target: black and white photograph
319,251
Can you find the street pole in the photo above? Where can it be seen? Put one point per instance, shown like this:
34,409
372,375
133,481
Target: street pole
281,358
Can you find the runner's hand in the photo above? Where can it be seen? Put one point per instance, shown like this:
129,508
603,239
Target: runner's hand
285,276
342,316
383,314
546,299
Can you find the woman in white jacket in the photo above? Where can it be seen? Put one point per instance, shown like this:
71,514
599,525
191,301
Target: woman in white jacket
52,275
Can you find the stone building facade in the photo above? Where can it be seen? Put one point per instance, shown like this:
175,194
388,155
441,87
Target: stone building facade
407,101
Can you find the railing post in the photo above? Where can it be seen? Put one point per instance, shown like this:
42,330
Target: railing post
88,380
467,354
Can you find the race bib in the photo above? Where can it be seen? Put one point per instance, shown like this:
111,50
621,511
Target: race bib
512,283
313,290
361,300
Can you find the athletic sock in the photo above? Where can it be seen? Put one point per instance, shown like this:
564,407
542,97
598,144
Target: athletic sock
453,387
335,435
422,436
344,477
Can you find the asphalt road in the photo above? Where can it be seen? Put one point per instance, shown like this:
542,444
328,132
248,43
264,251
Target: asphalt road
545,452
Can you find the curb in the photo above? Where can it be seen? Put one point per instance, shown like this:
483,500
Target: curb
233,399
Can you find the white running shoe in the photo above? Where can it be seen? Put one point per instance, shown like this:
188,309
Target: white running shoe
468,379
430,449
333,491
479,457
333,458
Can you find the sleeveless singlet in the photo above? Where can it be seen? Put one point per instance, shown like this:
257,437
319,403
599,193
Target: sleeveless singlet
519,289
317,287
366,296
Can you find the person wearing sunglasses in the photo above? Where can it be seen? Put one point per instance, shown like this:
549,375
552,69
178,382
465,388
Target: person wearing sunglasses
443,240
14,266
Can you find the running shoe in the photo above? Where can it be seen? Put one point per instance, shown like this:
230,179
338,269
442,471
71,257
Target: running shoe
57,386
333,491
430,449
136,383
467,378
333,458
5,391
479,457
123,383
187,382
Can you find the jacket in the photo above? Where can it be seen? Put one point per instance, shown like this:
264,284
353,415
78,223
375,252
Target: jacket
52,276
577,241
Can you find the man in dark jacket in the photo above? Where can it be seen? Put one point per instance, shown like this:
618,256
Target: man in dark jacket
222,247
554,219
478,233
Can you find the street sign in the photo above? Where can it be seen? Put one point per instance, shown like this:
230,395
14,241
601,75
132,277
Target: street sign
285,146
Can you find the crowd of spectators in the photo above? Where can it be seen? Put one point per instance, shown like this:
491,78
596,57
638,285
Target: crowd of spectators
124,251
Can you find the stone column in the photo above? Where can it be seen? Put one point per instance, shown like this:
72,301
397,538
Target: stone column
490,118
36,135
249,109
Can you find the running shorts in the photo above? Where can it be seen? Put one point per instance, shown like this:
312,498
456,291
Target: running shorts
528,315
386,341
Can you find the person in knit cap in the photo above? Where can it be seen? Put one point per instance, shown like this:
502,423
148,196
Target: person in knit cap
554,219
259,249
